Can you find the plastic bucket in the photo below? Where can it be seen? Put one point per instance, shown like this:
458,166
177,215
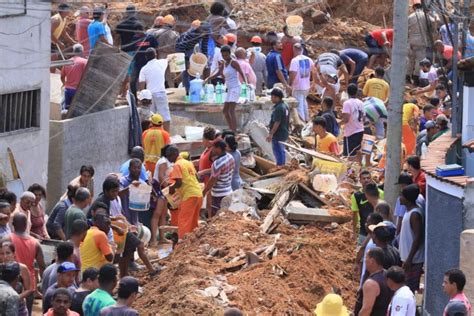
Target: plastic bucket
197,63
139,197
120,239
325,183
367,145
173,200
177,62
295,25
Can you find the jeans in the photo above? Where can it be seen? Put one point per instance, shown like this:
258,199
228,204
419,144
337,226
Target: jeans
134,81
300,96
278,152
358,69
68,96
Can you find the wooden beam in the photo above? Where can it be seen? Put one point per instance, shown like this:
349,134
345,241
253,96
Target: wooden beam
313,194
275,211
313,153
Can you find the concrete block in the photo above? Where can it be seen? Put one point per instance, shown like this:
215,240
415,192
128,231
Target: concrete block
466,261
300,213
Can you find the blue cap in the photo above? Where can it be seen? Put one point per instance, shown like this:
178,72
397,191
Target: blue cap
67,267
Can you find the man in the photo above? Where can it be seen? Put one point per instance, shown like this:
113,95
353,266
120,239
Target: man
429,113
363,203
445,54
287,42
89,283
101,297
411,244
419,27
377,87
126,294
78,234
327,112
379,42
276,70
152,76
184,181
383,208
166,38
198,34
453,285
403,301
85,179
82,24
58,25
64,252
24,207
445,30
382,236
442,125
353,120
376,114
96,30
139,153
418,175
95,250
428,79
279,126
456,308
300,77
144,108
217,20
61,302
5,229
355,61
27,251
66,275
331,63
425,136
82,199
9,298
154,139
374,296
404,180
409,126
55,223
325,141
71,75
221,176
259,63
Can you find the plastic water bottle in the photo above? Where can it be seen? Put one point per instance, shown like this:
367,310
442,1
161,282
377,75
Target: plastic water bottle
210,93
219,93
424,150
195,89
243,91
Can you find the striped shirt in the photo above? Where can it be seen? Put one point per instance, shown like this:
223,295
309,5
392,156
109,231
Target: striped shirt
223,169
189,39
375,109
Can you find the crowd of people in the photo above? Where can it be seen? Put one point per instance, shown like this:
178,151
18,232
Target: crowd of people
96,233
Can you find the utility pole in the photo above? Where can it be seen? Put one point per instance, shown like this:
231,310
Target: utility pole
455,105
397,89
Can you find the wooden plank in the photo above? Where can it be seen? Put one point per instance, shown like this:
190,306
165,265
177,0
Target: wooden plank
264,164
101,82
313,153
313,194
275,211
248,171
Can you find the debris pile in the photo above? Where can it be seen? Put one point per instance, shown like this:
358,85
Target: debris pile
230,262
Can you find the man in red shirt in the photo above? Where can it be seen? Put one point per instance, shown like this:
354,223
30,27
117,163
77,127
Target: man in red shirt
446,54
82,37
419,177
71,75
379,42
287,41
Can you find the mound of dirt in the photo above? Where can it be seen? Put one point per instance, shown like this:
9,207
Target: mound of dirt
207,273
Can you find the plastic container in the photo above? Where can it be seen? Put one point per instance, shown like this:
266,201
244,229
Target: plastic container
219,93
197,63
177,62
195,89
243,91
367,145
173,200
139,197
210,93
295,25
193,132
324,183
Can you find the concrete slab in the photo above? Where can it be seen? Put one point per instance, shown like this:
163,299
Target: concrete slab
267,186
298,212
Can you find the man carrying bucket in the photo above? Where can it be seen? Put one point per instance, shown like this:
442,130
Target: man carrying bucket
154,139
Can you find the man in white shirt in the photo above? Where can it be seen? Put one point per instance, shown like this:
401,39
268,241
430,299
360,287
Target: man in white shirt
152,76
300,79
403,301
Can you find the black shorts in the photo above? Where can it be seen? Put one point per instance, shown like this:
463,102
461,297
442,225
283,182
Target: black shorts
131,244
352,144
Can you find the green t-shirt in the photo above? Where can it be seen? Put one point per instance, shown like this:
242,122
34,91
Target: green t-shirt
96,301
281,113
72,214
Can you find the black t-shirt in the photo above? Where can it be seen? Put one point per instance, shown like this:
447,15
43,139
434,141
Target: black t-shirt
365,208
281,114
391,257
77,300
126,30
140,44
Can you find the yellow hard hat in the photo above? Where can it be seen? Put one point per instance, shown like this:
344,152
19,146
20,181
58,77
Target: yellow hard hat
156,119
331,306
169,19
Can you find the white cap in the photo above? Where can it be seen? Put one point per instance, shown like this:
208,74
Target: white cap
144,95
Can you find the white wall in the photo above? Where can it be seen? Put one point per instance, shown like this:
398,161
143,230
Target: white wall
24,65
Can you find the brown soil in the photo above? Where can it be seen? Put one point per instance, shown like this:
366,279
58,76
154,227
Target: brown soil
317,260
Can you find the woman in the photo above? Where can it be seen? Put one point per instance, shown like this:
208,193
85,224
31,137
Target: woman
235,153
7,255
85,180
230,69
38,221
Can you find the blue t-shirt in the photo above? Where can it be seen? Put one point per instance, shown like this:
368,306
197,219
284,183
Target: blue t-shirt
356,55
95,30
124,170
274,62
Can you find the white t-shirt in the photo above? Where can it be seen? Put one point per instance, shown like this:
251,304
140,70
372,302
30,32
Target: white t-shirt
169,166
302,65
403,303
153,73
216,59
355,108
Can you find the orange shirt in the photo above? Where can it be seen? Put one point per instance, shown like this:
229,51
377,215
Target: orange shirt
25,252
154,139
327,144
94,248
377,35
184,170
448,52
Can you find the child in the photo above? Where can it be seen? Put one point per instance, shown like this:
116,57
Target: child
325,142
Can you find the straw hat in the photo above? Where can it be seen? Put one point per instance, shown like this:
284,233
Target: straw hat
331,306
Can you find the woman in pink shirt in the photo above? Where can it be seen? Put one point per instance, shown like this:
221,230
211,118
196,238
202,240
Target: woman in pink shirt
240,54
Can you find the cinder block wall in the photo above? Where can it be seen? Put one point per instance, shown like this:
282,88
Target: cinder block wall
99,139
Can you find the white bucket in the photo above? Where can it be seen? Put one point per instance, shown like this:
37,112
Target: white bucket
193,132
139,197
197,63
295,25
177,62
367,145
325,183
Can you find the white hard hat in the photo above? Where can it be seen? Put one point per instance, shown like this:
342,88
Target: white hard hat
144,95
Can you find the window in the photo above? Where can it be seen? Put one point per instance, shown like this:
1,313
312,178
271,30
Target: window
19,110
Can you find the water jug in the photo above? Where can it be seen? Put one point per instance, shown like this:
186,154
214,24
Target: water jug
210,93
243,91
195,89
219,93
